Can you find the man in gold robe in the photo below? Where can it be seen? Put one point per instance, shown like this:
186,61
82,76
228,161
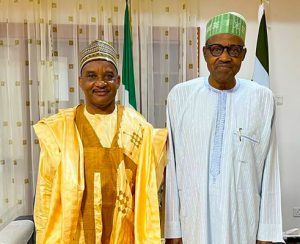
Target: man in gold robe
100,164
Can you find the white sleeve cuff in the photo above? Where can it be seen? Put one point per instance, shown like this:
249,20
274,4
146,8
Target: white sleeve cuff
172,230
270,232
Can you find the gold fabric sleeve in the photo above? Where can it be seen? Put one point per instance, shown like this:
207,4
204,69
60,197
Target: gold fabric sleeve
160,153
147,149
60,179
146,217
47,184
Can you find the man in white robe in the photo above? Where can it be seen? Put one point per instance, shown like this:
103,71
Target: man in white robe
222,180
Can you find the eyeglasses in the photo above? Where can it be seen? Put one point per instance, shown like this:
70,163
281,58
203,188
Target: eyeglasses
107,78
216,50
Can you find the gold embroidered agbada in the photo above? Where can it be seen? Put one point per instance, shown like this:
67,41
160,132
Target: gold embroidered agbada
62,182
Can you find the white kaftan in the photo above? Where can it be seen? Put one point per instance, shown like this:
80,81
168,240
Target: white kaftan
222,184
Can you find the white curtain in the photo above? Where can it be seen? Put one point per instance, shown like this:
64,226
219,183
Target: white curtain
39,47
165,41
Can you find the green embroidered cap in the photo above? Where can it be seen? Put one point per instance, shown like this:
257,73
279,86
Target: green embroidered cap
98,49
231,23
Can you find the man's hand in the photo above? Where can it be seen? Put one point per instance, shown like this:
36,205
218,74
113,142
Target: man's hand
174,241
263,242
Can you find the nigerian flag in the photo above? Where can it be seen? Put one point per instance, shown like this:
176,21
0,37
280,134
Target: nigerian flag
261,68
127,69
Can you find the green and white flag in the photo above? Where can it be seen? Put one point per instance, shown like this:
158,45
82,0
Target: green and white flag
128,98
261,67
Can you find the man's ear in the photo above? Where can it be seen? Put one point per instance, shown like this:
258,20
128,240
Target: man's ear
244,53
118,81
204,49
80,81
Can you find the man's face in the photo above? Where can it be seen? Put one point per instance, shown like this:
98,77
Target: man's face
99,81
224,67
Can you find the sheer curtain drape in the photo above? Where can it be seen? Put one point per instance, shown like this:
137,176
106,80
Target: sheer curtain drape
39,47
166,45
